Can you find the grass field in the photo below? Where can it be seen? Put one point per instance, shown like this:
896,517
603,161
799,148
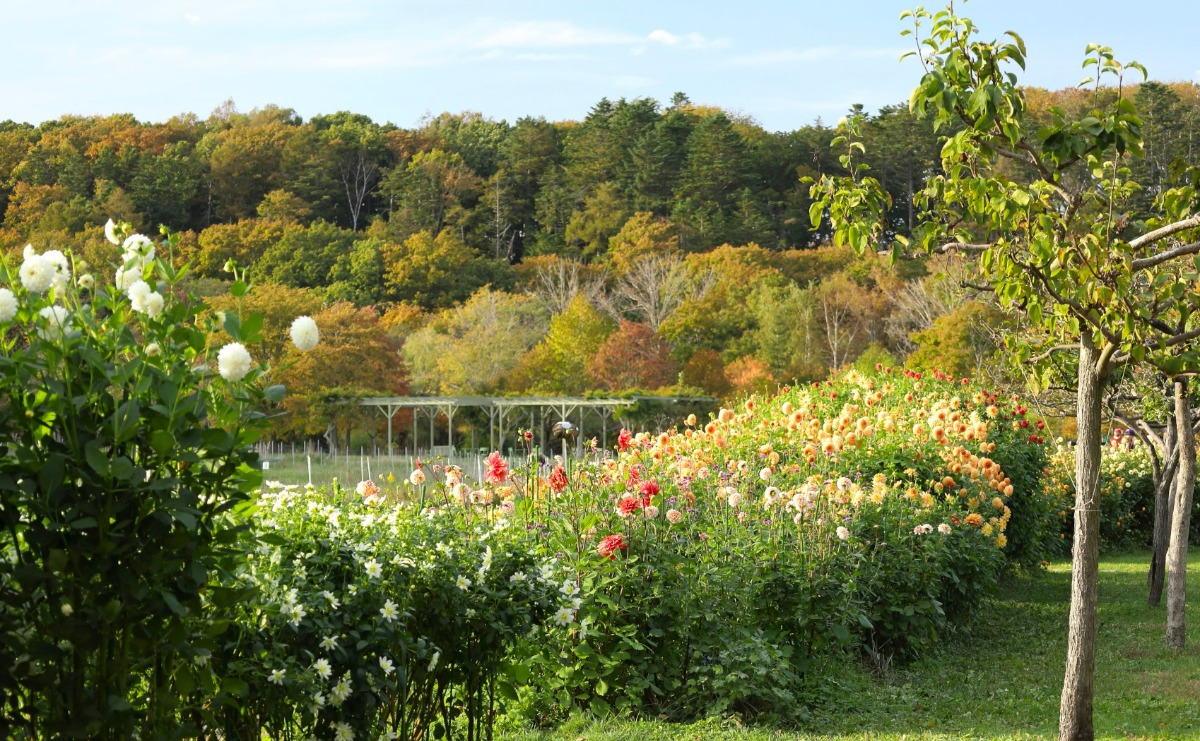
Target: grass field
1000,681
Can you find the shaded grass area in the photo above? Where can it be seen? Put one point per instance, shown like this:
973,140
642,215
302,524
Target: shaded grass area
998,678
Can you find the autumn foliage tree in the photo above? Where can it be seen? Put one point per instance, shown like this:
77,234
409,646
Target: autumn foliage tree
559,363
633,357
960,343
357,358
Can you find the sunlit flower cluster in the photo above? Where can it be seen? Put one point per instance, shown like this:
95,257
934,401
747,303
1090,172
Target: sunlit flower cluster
335,565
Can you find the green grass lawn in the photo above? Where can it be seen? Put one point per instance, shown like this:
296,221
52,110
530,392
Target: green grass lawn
999,680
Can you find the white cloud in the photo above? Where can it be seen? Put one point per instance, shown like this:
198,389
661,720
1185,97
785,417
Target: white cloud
687,41
547,57
563,34
552,34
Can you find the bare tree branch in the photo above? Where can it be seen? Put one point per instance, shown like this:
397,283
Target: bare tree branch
1050,351
559,282
655,286
1165,231
977,287
1184,249
945,249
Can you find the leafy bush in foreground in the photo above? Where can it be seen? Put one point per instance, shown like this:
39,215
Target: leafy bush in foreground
125,445
368,620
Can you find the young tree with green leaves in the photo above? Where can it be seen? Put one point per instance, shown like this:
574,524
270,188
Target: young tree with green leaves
1056,246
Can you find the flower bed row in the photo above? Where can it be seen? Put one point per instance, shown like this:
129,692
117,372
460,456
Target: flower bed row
708,570
1126,497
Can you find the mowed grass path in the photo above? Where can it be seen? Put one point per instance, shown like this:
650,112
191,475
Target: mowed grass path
999,680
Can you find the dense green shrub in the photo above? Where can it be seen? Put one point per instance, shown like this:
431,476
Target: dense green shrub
365,620
125,445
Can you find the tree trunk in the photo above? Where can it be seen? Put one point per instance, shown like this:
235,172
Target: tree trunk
1075,707
331,437
1164,489
1181,517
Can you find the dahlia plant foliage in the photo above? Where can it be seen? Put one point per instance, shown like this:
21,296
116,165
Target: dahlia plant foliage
128,414
1126,495
720,564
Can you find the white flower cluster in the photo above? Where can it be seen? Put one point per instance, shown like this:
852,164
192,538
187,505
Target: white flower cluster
233,362
138,254
58,323
143,299
394,545
40,273
304,333
8,305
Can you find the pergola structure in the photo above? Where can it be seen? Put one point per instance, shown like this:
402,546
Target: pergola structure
504,412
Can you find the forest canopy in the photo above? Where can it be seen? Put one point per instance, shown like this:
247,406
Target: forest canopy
647,246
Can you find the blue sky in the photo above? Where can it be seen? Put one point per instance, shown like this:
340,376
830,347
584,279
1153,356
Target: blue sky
783,63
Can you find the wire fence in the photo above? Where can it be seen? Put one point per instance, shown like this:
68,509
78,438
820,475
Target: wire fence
290,463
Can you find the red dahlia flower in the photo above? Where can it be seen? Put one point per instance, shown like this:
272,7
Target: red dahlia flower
497,469
628,505
648,489
625,439
611,545
558,479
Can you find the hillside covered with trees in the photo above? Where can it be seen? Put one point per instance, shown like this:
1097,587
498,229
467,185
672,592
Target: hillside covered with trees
647,246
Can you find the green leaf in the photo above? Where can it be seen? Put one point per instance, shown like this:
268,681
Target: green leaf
95,457
162,442
252,328
842,633
128,417
275,393
815,211
50,478
233,325
184,681
122,468
517,672
235,687
174,605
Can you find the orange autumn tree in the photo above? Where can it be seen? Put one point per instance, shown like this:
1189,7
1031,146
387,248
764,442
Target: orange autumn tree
357,357
633,357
